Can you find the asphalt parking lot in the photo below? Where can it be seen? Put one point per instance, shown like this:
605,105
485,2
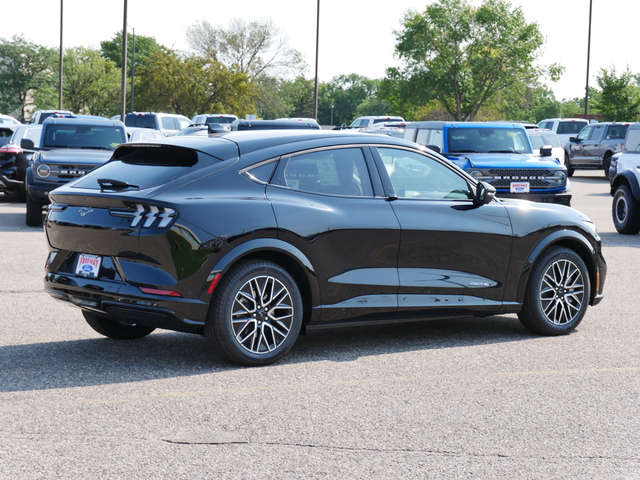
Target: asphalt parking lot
458,399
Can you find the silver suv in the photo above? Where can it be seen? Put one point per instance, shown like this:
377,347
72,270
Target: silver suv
625,184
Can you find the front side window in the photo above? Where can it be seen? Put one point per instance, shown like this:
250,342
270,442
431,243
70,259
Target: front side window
584,134
339,171
418,176
430,136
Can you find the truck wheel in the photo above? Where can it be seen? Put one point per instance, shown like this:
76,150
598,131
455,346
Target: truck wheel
625,211
570,169
606,164
34,213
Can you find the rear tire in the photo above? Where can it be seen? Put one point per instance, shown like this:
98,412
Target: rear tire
625,211
558,292
116,329
570,169
256,314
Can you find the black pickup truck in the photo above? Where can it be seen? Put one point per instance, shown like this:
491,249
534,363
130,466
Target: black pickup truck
69,148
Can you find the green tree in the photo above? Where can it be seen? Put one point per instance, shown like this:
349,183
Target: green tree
92,83
144,47
619,98
345,93
191,85
463,55
279,98
24,68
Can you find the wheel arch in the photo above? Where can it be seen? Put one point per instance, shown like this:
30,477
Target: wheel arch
628,179
281,253
562,238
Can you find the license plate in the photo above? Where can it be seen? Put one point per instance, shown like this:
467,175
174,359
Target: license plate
88,265
519,187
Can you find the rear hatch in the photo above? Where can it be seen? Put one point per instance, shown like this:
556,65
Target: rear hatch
106,211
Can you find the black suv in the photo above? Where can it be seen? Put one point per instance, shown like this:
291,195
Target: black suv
251,237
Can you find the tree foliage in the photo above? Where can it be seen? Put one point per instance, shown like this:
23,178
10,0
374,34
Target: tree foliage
92,83
345,93
24,68
191,85
144,47
256,48
619,98
463,55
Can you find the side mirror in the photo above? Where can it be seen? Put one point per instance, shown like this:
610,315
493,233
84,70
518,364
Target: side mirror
484,193
27,144
573,139
546,151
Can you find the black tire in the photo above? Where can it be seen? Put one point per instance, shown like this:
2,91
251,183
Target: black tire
606,164
34,213
21,194
570,169
116,329
625,211
558,292
255,315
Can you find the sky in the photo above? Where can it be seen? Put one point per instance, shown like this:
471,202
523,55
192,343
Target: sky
355,36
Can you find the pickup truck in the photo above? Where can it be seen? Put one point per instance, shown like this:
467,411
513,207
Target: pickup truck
498,153
594,146
69,148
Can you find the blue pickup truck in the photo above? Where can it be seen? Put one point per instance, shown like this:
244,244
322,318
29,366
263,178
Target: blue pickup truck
497,153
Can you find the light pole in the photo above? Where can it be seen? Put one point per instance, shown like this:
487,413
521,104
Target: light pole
315,86
123,92
331,122
586,93
133,65
61,60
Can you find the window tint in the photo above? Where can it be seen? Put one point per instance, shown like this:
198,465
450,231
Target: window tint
617,132
632,142
584,133
340,171
84,136
570,127
429,136
485,140
418,176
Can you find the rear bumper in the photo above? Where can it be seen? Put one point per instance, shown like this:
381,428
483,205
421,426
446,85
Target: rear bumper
125,302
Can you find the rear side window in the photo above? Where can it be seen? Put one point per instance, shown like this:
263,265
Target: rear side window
340,171
617,132
632,142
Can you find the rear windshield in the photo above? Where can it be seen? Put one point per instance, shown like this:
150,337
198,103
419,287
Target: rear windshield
142,121
106,137
220,120
147,166
570,127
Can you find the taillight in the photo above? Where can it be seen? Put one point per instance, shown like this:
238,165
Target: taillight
11,148
147,214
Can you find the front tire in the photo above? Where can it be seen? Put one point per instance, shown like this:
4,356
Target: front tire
625,211
256,314
558,292
116,329
606,164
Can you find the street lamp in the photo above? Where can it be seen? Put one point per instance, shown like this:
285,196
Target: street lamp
123,92
586,93
331,122
61,62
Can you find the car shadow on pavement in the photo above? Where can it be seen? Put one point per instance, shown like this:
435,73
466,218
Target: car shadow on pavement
101,361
